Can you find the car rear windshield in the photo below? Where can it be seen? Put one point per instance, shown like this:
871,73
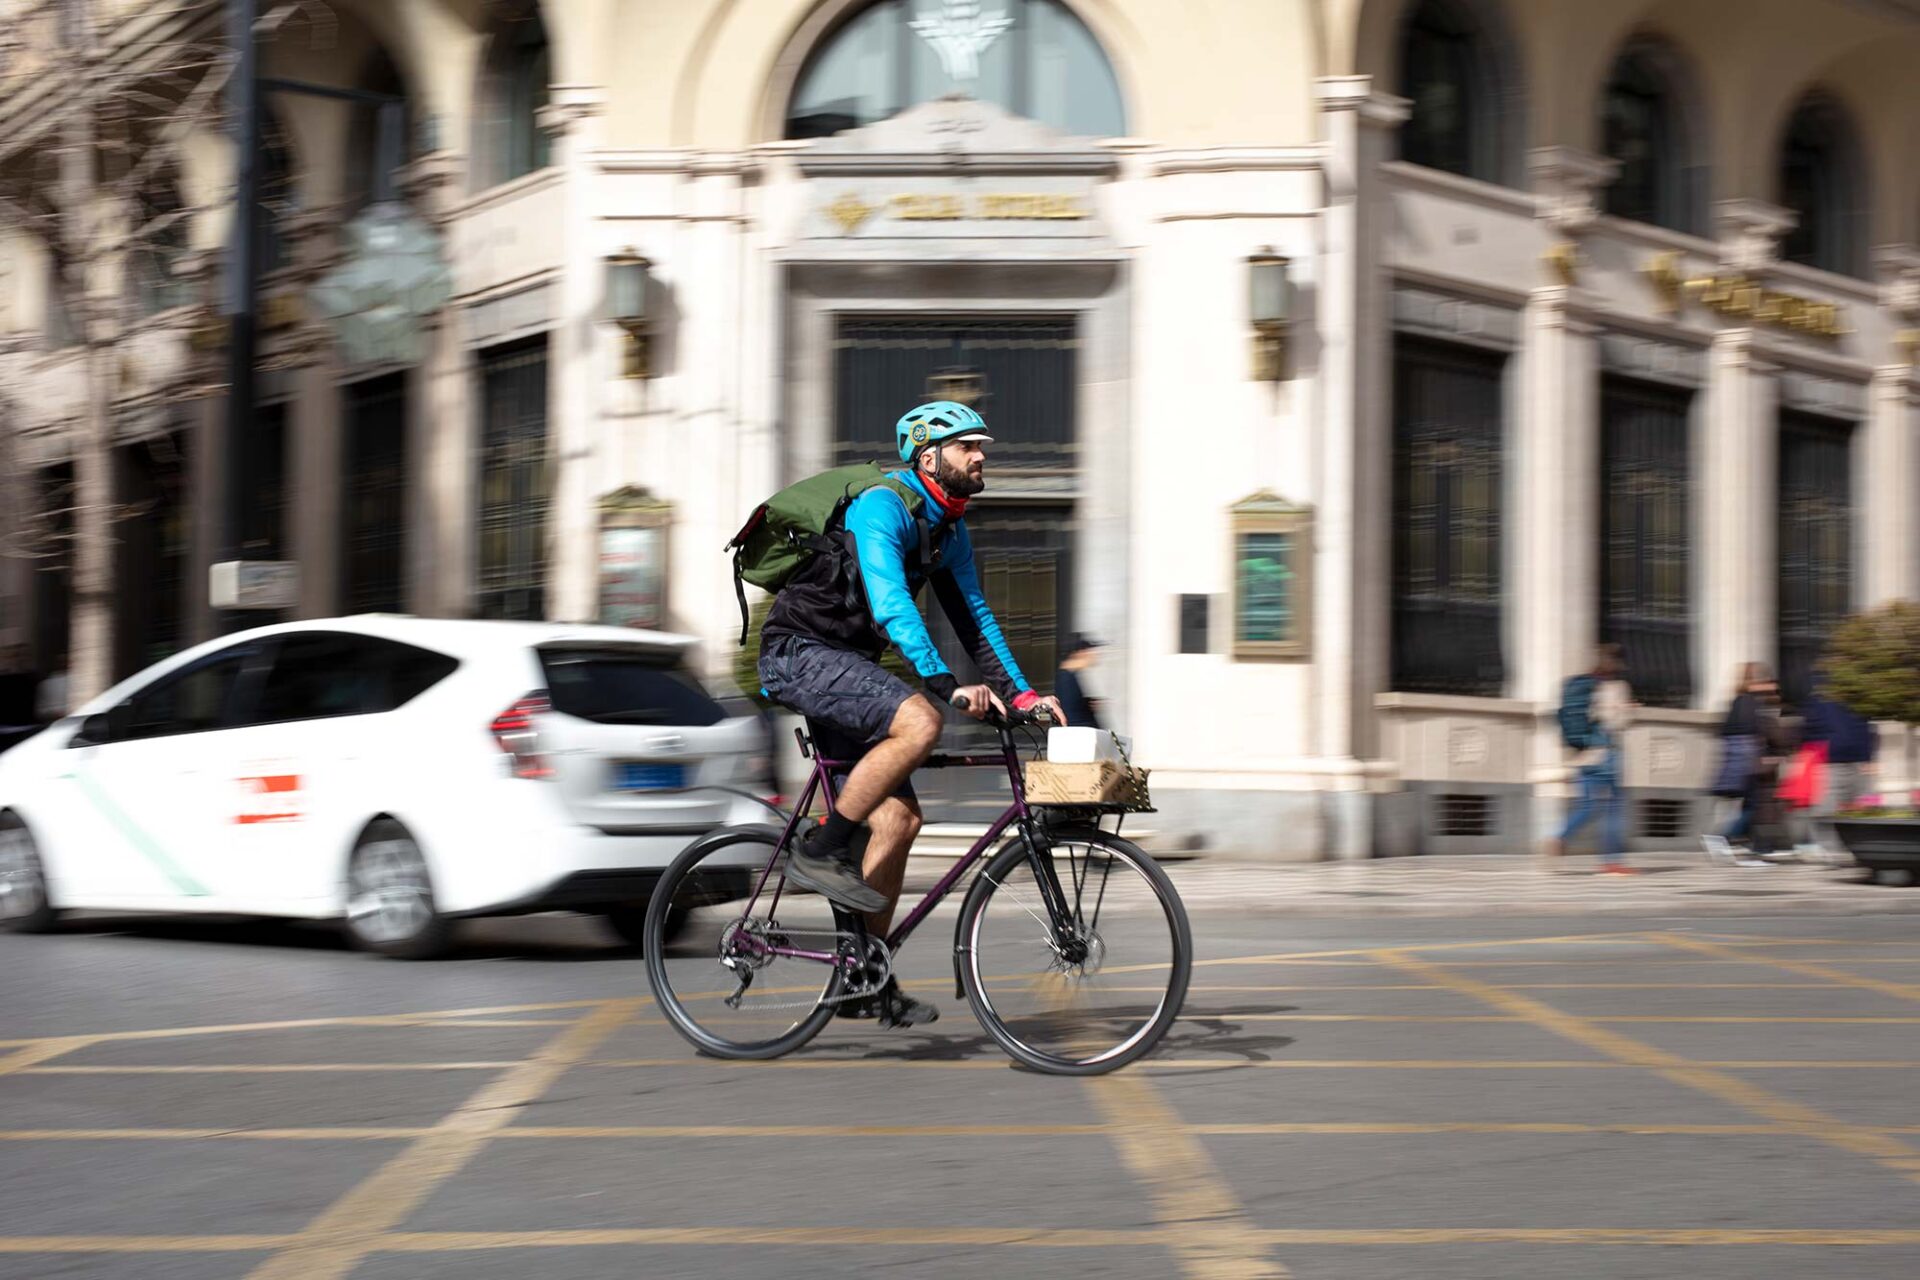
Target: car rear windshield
616,687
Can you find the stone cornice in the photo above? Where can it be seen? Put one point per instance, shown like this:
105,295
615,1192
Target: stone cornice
1236,160
1567,183
1357,94
1750,231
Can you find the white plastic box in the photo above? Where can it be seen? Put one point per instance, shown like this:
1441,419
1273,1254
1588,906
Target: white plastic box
1069,745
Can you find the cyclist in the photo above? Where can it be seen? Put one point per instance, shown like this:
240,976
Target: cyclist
820,653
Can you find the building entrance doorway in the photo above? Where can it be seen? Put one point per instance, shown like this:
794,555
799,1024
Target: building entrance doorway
1025,371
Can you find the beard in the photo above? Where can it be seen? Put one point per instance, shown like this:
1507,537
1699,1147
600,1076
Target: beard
958,481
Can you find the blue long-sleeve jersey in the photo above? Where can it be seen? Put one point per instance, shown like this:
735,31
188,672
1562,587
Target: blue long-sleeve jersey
885,546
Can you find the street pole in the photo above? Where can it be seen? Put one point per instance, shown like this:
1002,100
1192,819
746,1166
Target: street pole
243,274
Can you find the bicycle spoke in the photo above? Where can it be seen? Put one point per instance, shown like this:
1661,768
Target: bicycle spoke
729,969
1052,996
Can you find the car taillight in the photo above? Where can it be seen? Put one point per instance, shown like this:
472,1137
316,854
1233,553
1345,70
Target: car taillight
515,733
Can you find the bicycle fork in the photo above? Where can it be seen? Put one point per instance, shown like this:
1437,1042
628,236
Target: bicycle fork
1059,912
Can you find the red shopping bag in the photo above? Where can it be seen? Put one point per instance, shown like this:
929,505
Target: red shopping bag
1805,783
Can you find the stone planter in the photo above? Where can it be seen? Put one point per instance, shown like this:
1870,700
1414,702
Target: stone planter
1883,844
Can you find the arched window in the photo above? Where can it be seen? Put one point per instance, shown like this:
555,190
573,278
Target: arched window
1456,71
1644,126
1032,57
508,141
1823,181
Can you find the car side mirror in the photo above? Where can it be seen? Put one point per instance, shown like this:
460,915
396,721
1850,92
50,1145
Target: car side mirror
101,727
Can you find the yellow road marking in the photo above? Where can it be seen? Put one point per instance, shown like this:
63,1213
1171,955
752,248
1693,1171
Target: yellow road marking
141,1244
334,1243
34,1054
975,1064
341,1133
449,1241
1735,1017
1332,1128
842,1237
430,1017
261,1068
1898,990
1663,985
1807,1121
1011,1237
1694,1236
1213,1236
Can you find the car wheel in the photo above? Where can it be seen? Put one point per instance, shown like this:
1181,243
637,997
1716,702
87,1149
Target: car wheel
390,906
24,906
629,921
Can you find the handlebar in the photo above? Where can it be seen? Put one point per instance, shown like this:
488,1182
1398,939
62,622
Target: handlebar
1039,714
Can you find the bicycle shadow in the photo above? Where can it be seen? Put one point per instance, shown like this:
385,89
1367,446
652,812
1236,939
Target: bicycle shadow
1205,1033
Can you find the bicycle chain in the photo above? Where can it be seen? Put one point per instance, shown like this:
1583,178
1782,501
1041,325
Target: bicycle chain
886,963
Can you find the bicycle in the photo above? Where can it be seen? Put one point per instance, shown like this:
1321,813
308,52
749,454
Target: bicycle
1088,969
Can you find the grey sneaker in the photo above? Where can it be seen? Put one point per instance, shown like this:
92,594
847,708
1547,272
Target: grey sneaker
832,874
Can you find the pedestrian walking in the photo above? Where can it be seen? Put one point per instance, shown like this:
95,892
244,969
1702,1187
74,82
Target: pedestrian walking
1754,741
1595,709
1848,743
1083,652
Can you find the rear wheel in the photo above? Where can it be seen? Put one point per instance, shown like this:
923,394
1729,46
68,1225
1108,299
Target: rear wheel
727,979
390,904
24,904
1096,994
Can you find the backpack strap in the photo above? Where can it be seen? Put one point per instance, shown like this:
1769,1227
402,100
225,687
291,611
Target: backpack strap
740,594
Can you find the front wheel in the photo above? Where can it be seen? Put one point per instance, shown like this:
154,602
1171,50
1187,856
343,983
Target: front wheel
24,904
731,978
1092,989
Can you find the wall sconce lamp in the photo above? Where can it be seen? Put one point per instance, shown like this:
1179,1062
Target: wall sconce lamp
629,297
1270,307
958,384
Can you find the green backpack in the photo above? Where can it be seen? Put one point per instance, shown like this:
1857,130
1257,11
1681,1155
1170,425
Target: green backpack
790,527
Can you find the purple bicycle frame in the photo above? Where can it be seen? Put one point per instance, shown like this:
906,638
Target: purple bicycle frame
821,784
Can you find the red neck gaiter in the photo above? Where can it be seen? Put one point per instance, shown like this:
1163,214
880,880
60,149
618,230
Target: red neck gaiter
952,506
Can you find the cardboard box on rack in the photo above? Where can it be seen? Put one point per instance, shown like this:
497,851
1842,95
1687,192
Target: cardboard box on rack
1095,782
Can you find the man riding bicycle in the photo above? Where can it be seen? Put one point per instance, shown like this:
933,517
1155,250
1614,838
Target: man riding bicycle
820,654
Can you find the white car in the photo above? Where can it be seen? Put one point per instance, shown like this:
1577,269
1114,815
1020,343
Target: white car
397,773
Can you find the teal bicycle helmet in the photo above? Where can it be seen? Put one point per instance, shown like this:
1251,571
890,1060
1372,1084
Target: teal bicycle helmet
936,421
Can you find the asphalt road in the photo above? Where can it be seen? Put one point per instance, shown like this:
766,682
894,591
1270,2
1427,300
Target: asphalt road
1431,1098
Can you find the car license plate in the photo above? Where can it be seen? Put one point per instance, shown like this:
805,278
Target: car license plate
649,777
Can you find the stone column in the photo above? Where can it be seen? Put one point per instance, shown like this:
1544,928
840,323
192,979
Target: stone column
1737,487
1351,535
1556,536
1558,532
1892,569
573,369
438,580
1892,479
1556,548
317,423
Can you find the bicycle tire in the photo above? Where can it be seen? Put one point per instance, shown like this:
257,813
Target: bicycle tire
665,947
972,947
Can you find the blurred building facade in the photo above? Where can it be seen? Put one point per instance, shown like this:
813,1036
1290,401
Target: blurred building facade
1599,325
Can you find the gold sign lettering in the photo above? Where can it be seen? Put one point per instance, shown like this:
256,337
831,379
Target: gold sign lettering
850,211
1744,297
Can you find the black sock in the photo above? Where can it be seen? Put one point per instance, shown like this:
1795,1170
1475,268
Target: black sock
836,833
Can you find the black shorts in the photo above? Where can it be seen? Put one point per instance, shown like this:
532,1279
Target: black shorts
849,700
